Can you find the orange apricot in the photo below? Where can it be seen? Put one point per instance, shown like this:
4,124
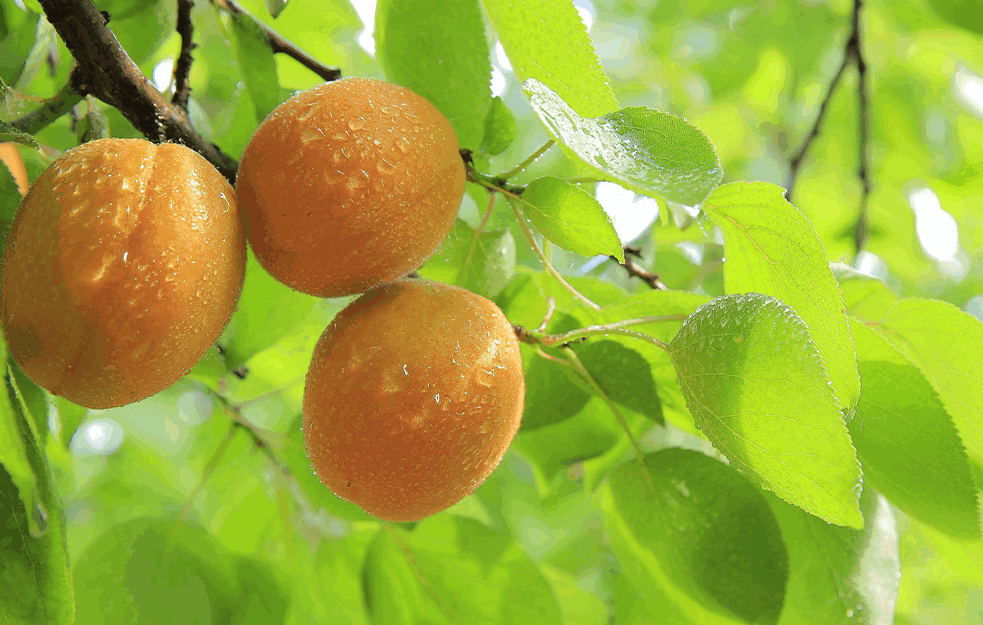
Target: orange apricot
414,393
124,263
349,185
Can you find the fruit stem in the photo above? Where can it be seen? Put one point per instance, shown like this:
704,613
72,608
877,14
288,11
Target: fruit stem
521,218
526,163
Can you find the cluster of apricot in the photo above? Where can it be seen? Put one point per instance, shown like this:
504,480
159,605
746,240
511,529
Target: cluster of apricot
126,260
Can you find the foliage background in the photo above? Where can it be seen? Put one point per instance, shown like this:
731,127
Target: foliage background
197,505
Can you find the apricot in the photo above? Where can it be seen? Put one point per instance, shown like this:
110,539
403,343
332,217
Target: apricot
414,393
349,185
124,263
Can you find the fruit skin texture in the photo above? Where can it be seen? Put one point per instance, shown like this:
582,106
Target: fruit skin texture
349,185
124,263
414,393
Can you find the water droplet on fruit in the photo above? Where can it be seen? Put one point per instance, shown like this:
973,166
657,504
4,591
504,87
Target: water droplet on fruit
357,181
403,145
356,123
484,377
385,167
341,156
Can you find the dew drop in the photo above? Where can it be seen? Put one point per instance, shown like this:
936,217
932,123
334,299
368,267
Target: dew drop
356,123
357,181
40,518
385,167
403,145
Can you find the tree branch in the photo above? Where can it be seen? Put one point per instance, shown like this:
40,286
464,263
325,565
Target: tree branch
852,53
279,45
862,228
182,66
114,78
637,271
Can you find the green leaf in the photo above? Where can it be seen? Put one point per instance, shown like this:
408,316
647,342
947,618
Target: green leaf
962,13
45,44
552,392
773,249
624,375
552,448
907,442
483,264
700,533
570,217
14,448
864,296
473,574
547,40
70,416
35,582
438,49
144,30
11,134
35,578
152,571
267,312
319,496
499,128
275,7
579,606
642,149
392,593
947,345
849,577
255,57
755,383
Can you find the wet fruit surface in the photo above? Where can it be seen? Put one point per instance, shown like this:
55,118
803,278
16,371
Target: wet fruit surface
349,185
414,393
124,263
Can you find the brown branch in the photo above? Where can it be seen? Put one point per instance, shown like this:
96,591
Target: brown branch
637,271
279,45
182,66
862,228
853,53
795,161
114,78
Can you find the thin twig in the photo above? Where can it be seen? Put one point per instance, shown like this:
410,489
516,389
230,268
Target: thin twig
581,370
279,45
462,274
853,53
550,309
206,473
862,229
521,218
796,160
526,163
182,66
114,78
637,271
617,327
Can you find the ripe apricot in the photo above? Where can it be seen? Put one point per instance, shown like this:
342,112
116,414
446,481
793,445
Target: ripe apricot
349,185
123,265
414,393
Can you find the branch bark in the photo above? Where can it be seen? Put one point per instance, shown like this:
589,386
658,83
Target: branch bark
110,75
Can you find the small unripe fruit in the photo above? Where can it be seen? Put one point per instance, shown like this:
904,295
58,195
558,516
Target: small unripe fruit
415,392
349,185
123,265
